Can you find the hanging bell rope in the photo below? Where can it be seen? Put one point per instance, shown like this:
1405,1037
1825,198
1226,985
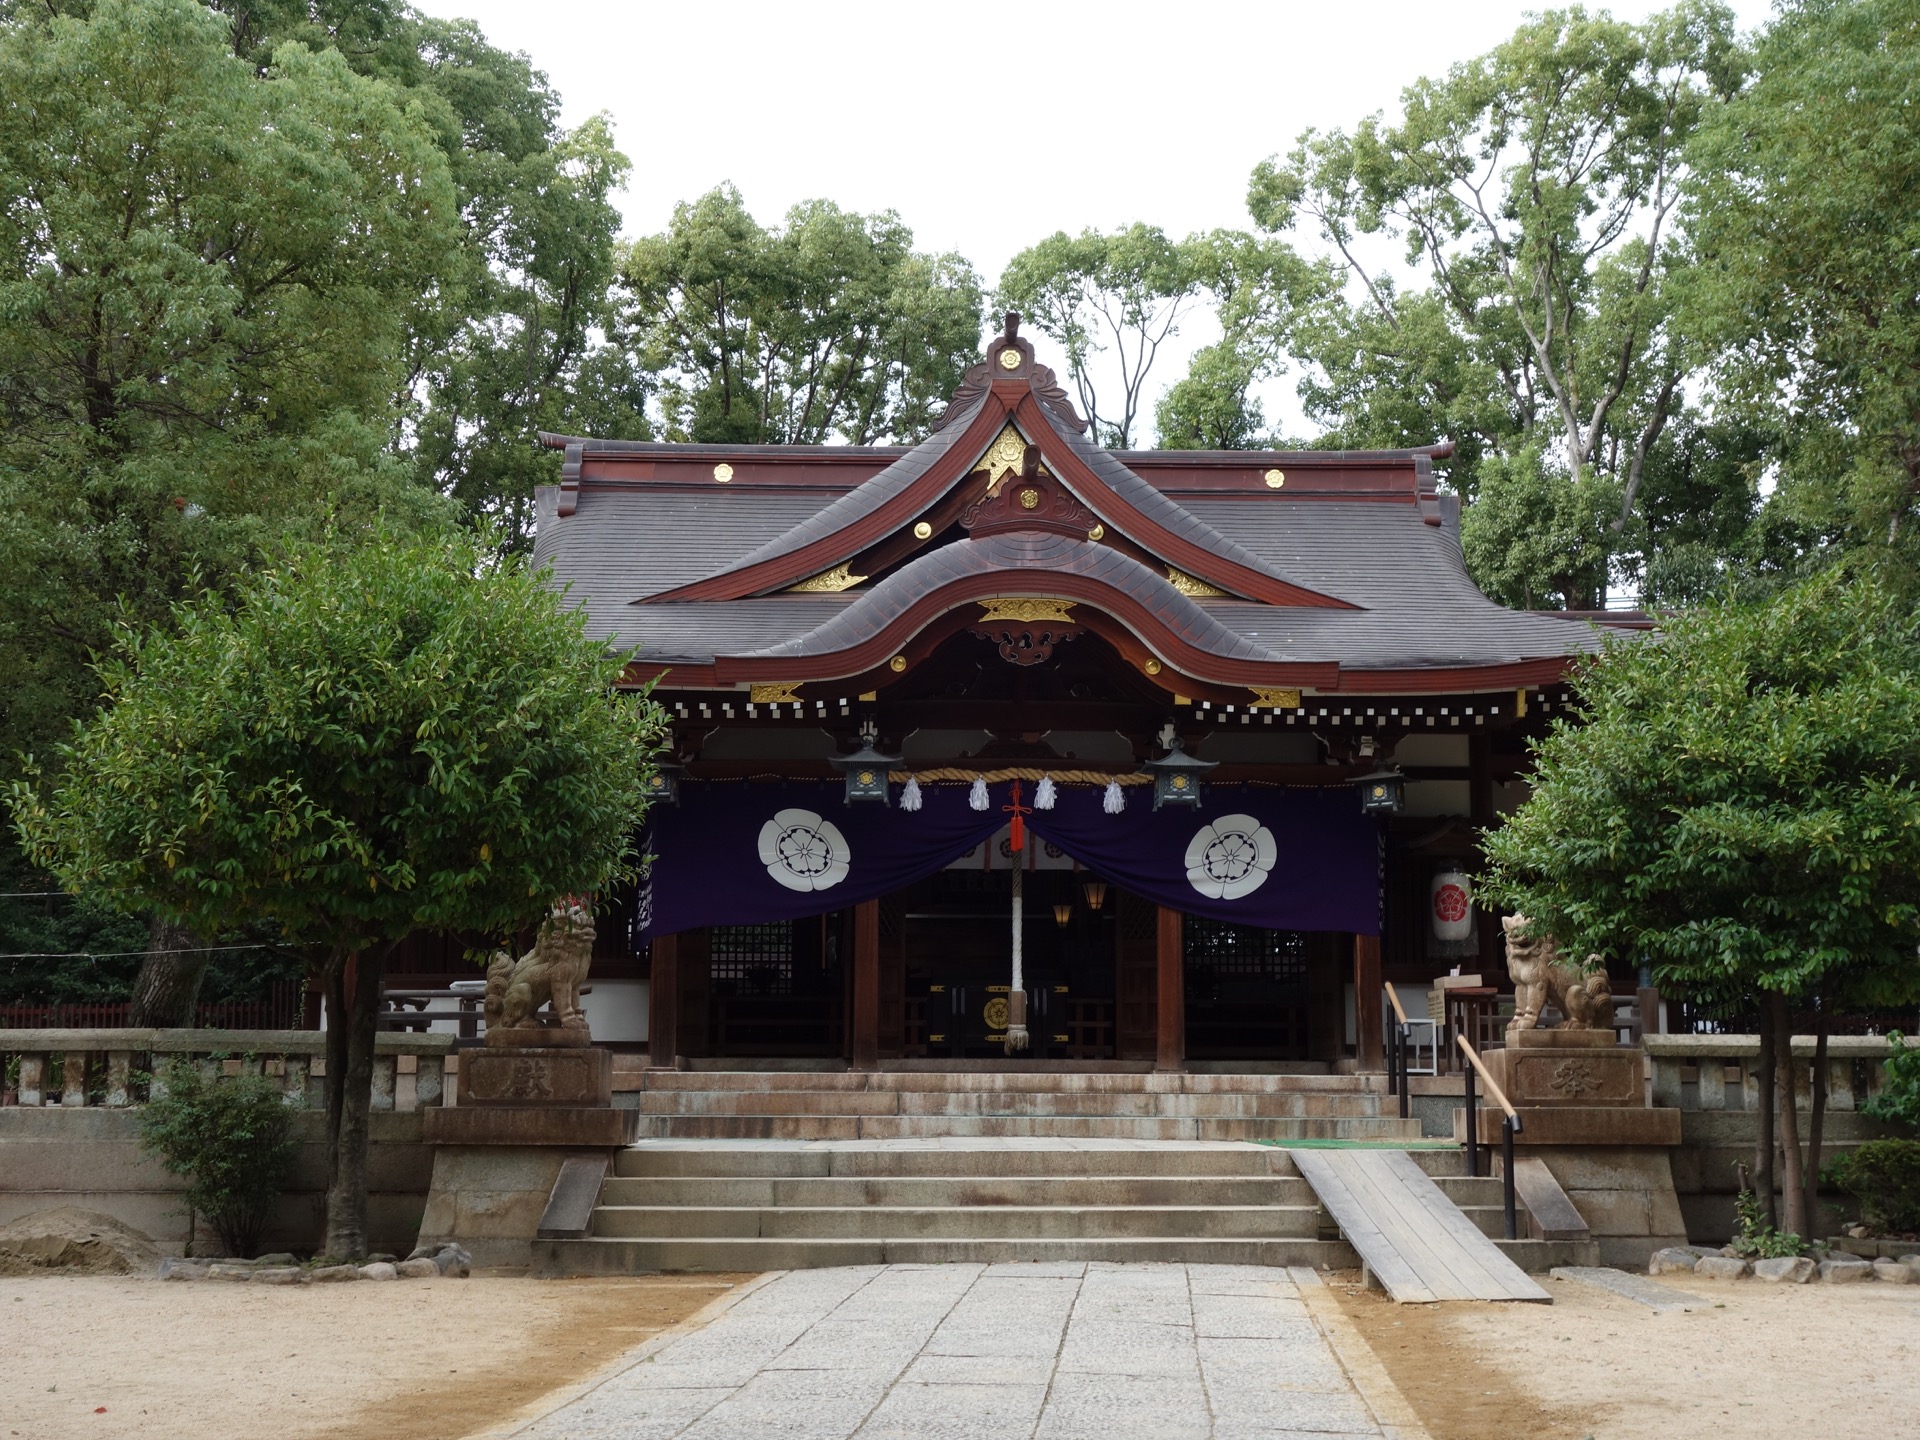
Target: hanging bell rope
1017,1038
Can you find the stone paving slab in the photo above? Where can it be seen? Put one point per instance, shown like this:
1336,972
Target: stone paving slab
1100,1351
1663,1299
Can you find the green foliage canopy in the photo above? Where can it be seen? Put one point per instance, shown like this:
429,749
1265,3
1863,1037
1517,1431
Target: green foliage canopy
830,325
413,736
1809,284
1739,802
209,278
1536,188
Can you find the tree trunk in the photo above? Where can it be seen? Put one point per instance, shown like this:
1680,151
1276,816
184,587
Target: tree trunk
1763,1137
166,994
1793,1194
1816,1121
352,1012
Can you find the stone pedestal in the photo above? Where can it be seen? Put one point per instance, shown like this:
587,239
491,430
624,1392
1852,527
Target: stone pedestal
1581,1097
1568,1067
503,1075
529,1100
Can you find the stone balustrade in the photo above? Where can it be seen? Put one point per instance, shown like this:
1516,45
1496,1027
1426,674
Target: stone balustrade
1717,1072
120,1068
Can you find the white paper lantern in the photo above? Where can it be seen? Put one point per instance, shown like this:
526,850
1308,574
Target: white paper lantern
1450,903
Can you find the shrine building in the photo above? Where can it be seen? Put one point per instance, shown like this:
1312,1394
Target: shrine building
1220,728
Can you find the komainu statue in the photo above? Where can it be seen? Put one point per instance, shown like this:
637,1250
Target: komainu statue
553,970
1541,975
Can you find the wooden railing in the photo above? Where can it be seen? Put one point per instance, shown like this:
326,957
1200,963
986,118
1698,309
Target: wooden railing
117,1068
1397,1053
279,1011
1509,1127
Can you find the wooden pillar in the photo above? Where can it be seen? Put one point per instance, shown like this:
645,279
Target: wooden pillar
866,985
663,1005
1370,1046
1480,804
1171,1053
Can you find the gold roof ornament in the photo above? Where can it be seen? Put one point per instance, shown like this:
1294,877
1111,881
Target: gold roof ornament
1192,588
828,581
1275,479
723,472
1026,608
1267,697
1004,457
774,692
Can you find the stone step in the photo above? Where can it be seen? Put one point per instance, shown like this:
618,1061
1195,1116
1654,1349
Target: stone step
938,1190
1282,1105
907,1127
628,1257
957,1222
955,1158
1003,1080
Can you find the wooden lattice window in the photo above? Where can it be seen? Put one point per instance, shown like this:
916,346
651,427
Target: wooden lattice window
753,959
1246,952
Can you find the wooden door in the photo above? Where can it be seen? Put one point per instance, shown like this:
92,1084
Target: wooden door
1136,977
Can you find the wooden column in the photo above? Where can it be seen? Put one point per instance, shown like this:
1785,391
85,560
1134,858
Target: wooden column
866,985
1171,969
1480,803
663,1004
1370,1047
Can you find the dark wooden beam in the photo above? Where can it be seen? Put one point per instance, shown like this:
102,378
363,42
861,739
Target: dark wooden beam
1370,1046
865,1054
663,1005
1171,1054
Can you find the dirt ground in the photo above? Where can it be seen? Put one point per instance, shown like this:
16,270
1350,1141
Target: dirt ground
1758,1360
106,1358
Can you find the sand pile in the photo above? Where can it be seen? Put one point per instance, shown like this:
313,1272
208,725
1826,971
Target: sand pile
75,1241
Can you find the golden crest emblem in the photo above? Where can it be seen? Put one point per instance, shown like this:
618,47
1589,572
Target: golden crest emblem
996,1013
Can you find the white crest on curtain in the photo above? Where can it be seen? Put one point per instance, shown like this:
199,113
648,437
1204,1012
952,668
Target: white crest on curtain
804,852
910,796
1115,800
1230,857
1043,797
977,797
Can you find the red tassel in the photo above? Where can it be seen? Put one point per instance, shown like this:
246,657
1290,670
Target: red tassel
1018,838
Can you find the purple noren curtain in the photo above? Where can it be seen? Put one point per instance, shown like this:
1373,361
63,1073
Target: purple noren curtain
744,853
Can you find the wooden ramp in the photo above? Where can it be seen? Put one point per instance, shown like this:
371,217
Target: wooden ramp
1412,1238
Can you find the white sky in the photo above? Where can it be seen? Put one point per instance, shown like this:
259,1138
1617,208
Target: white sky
987,126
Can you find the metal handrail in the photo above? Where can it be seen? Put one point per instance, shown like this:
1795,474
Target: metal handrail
1397,1040
1509,1127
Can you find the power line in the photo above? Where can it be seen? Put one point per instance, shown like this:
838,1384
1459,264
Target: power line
117,954
36,894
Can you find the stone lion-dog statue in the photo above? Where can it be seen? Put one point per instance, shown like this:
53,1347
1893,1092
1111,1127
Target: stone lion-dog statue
552,971
1542,975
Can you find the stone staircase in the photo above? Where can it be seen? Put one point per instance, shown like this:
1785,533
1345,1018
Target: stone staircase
1010,1103
743,1205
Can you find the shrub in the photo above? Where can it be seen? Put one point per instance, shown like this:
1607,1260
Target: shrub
229,1136
1755,1238
1884,1176
1898,1098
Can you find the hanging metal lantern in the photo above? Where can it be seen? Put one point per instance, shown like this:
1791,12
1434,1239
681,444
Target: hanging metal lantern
1063,915
866,771
663,786
1176,775
1096,893
1384,792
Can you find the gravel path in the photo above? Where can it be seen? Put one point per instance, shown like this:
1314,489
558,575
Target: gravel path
1038,1352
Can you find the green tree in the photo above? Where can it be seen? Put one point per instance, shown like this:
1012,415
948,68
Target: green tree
830,325
1535,188
1739,803
1120,295
211,271
415,735
1804,218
